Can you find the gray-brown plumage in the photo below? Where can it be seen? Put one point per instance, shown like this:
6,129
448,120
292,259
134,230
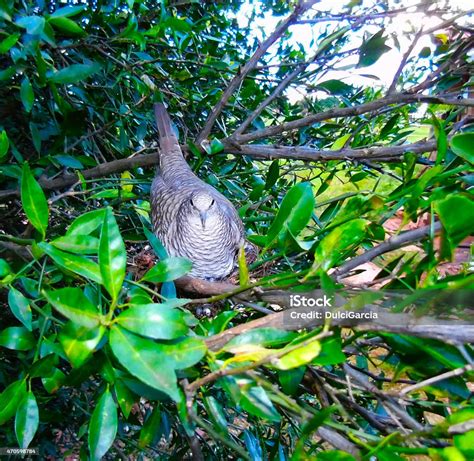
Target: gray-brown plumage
190,217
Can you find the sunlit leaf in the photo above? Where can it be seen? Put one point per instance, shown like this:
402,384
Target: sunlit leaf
112,255
103,426
26,420
34,201
168,269
73,304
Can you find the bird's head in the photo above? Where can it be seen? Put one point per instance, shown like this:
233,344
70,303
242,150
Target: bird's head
202,205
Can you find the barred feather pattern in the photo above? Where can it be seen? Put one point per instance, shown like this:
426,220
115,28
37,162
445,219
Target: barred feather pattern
190,217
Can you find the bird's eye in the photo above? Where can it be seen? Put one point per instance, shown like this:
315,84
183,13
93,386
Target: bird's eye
212,202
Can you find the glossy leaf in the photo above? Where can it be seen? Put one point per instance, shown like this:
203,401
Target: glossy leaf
125,397
372,49
68,11
34,201
81,244
142,358
294,213
77,264
333,246
4,144
8,42
112,256
463,146
17,338
20,307
26,94
149,431
169,269
10,399
265,337
255,400
34,25
66,25
299,357
87,223
26,420
158,321
74,73
103,426
73,304
79,343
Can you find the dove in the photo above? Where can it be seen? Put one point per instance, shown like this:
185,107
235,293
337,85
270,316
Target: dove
190,217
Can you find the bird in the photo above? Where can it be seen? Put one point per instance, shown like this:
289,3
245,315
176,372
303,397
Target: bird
190,217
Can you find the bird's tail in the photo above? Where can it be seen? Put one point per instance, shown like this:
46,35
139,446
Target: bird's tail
163,122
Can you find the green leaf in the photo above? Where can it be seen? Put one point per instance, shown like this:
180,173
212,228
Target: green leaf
335,244
185,353
456,213
44,367
68,11
74,73
294,214
462,145
264,337
34,201
20,307
73,304
10,399
125,397
103,426
158,321
255,400
331,353
66,25
143,359
298,357
34,25
87,223
26,94
273,175
77,264
112,255
150,429
79,342
8,42
54,382
26,420
372,49
291,379
5,268
341,142
170,268
243,268
4,144
336,87
17,338
81,244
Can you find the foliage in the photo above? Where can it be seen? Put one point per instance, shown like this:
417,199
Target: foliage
94,348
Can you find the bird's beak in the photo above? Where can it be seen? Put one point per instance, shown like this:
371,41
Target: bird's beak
203,215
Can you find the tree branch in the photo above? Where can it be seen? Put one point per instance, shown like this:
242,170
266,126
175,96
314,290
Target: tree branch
284,84
302,7
104,169
426,327
392,243
372,106
268,152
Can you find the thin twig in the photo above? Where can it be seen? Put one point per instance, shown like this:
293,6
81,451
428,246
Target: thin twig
372,106
436,379
302,7
392,243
